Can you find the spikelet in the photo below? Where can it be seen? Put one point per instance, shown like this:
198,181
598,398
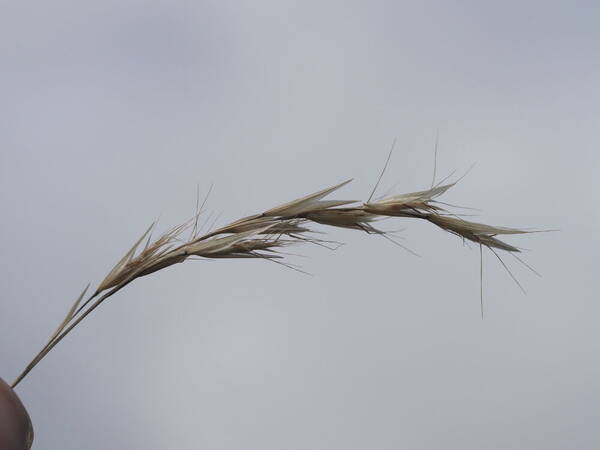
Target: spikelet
132,265
413,204
353,218
308,203
476,232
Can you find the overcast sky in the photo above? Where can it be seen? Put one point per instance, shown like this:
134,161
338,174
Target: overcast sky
112,112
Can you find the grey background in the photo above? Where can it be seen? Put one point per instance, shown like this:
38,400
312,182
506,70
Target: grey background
112,111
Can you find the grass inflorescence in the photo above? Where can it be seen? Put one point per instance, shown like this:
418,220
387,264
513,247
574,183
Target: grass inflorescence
264,235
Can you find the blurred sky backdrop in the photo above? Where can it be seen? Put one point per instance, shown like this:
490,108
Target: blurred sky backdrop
113,111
